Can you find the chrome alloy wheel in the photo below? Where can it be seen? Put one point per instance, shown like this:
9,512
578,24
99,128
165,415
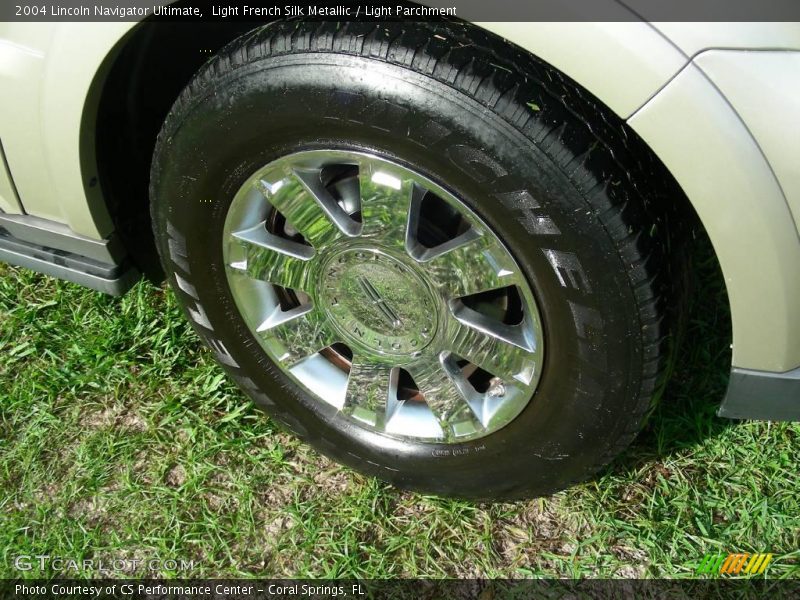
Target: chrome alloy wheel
383,295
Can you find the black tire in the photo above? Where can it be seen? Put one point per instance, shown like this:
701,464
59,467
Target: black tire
555,174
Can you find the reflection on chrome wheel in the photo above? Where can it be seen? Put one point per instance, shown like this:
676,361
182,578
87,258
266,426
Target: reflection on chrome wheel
383,295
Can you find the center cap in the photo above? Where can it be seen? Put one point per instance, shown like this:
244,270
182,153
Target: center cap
378,302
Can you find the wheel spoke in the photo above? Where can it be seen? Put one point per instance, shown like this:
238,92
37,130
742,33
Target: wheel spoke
309,208
505,351
267,257
445,392
296,334
469,264
385,203
370,389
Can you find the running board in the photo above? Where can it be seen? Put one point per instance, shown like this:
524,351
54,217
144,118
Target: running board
107,278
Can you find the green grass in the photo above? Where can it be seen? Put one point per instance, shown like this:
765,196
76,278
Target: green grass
121,439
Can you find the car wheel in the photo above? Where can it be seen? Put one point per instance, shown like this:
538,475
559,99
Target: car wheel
433,257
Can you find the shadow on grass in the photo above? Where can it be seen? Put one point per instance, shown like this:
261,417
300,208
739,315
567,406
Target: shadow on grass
686,415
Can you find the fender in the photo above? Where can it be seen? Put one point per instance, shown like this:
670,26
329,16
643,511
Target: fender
741,204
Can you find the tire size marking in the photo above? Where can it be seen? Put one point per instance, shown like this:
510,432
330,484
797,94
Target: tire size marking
438,453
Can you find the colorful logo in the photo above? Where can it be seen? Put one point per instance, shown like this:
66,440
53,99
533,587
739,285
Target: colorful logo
734,564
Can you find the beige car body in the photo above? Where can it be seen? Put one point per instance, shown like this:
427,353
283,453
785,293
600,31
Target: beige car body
717,103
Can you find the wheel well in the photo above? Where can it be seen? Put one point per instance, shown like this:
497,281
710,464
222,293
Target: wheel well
155,62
